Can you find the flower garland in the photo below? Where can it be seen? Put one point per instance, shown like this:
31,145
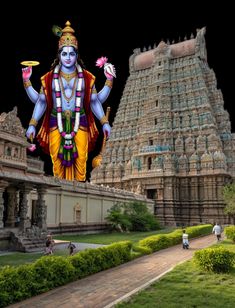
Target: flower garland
68,136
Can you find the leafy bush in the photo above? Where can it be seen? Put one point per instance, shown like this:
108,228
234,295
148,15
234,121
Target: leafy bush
52,271
230,232
156,242
175,237
91,261
216,260
229,198
24,281
199,230
133,216
143,250
16,284
118,219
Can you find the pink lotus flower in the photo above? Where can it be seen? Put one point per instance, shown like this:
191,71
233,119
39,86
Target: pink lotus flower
32,147
101,61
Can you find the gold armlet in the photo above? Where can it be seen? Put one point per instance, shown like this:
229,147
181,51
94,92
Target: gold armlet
109,83
33,122
27,84
104,120
93,91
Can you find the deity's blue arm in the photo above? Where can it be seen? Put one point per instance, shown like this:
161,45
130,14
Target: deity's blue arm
39,109
31,92
38,99
104,93
98,111
33,95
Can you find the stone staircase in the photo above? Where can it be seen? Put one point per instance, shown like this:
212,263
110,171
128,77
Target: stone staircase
25,244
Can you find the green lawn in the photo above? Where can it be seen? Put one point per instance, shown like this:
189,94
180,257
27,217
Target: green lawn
109,238
18,258
188,286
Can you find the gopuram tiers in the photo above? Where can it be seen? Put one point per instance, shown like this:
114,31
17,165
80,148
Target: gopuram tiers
171,138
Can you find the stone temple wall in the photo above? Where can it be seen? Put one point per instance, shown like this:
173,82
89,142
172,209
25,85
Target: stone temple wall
32,204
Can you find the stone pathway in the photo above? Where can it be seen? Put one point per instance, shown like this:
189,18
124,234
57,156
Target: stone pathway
107,288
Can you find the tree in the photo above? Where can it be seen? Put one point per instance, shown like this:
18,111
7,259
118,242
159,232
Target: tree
132,216
117,217
229,198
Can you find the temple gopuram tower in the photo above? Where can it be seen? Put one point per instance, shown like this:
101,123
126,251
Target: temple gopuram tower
171,138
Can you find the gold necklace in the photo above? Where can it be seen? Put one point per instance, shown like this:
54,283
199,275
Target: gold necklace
68,76
63,90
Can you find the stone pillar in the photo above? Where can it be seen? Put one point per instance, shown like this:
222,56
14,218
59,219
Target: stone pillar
41,209
10,222
3,185
24,191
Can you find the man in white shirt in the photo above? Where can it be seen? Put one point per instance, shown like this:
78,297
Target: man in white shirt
217,230
185,240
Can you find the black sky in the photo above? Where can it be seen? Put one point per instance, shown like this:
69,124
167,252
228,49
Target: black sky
110,29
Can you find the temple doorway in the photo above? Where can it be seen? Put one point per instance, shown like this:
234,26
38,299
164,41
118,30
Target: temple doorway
151,194
34,212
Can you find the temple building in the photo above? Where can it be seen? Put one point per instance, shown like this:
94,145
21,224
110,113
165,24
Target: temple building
171,138
33,204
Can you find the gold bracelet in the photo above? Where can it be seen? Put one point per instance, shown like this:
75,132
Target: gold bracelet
93,91
109,83
104,120
27,83
33,122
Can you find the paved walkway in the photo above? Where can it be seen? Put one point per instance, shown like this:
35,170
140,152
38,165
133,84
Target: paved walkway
63,245
107,288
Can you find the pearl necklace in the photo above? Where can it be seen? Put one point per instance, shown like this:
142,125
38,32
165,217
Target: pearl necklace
68,137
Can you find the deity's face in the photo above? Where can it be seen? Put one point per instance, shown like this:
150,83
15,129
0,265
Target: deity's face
68,56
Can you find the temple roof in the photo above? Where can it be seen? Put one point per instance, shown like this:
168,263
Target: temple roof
144,60
181,49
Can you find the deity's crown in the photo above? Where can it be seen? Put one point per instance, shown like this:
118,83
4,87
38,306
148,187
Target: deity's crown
67,38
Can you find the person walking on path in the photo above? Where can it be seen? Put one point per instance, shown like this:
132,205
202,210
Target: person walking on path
185,240
217,230
71,248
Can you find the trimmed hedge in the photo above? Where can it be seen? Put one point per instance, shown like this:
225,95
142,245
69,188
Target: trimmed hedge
218,260
230,232
91,261
48,272
141,250
160,241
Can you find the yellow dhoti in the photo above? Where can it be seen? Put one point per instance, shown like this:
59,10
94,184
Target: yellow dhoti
78,170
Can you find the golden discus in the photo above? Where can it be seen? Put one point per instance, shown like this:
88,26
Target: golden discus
30,63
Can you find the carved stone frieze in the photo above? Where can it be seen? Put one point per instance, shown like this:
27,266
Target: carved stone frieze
10,123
